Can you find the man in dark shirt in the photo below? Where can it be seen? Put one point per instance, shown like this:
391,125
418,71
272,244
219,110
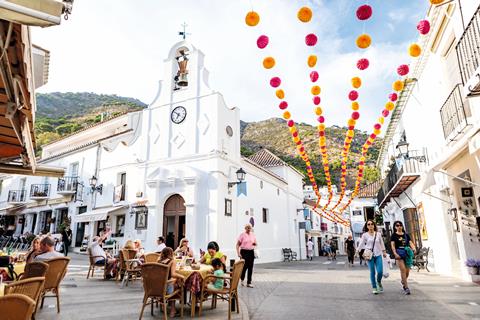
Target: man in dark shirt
67,239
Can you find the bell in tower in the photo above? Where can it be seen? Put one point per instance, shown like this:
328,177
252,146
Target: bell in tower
181,78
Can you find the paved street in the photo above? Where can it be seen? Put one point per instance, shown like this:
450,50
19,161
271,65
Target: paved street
315,290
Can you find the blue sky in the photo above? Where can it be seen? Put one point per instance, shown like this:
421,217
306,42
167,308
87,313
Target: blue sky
118,47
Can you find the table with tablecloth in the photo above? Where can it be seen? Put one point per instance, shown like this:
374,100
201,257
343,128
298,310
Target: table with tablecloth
18,267
193,280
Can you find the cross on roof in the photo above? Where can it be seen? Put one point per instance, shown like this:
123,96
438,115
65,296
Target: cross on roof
184,32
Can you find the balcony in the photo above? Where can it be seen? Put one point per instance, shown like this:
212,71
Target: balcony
17,196
39,191
401,177
454,114
468,55
67,185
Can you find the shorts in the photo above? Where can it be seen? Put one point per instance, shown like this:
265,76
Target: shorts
100,262
170,288
328,250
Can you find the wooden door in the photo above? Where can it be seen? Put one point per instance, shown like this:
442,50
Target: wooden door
174,227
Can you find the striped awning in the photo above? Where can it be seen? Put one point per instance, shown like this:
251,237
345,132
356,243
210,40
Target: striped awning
96,215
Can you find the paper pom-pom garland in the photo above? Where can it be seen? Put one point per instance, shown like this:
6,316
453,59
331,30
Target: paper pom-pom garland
304,14
389,106
356,82
393,97
436,1
353,95
311,39
312,61
275,82
315,90
423,27
398,85
283,105
280,94
364,12
262,42
363,64
415,50
286,115
252,19
314,76
364,41
268,62
316,100
403,70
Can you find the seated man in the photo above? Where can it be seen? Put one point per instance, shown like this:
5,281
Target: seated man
161,244
101,256
47,250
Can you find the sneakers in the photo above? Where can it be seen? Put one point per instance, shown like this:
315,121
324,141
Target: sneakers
406,291
375,291
242,283
249,285
380,287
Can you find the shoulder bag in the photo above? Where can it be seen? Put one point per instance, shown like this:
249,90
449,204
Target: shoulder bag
368,253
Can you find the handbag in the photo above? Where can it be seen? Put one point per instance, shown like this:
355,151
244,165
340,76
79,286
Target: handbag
5,263
255,253
368,253
402,253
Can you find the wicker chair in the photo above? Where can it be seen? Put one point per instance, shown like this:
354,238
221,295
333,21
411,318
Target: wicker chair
31,287
121,266
132,268
17,306
152,257
57,268
34,269
155,281
229,291
93,264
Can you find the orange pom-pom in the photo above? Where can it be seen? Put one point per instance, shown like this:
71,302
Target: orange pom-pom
304,14
415,50
398,85
312,61
389,106
268,62
315,90
318,111
355,106
286,115
252,19
356,82
364,41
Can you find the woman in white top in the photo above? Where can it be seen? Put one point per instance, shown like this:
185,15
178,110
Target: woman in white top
372,240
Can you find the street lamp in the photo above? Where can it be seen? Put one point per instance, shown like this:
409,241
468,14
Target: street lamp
93,185
240,177
403,152
304,206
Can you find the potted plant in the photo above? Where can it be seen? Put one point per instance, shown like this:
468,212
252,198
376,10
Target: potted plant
472,266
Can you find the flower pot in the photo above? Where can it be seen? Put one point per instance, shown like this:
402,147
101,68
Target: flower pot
472,270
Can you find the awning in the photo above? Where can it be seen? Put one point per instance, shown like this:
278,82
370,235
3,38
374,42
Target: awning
10,210
315,233
96,215
41,13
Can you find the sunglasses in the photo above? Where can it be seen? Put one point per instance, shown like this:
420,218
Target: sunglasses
398,225
369,224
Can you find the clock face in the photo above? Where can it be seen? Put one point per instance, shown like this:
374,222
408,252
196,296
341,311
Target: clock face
178,114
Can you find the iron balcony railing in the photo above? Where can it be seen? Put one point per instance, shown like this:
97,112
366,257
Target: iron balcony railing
17,195
468,49
452,113
39,190
67,184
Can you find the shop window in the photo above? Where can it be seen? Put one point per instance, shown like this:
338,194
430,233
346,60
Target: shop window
265,215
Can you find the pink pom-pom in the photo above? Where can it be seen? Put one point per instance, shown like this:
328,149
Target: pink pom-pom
290,123
377,126
403,70
314,76
275,82
373,136
295,134
262,42
283,105
301,149
311,39
351,127
364,12
363,64
353,95
355,115
321,119
423,27
385,113
393,97
316,100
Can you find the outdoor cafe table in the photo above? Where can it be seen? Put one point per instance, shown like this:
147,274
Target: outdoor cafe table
193,281
19,268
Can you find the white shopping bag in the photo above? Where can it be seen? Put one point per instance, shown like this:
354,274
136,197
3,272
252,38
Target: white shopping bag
386,267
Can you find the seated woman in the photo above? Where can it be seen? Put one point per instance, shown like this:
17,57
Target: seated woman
213,251
34,250
138,246
129,245
166,257
183,249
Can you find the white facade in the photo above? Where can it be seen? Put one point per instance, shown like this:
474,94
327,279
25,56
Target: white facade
439,117
174,161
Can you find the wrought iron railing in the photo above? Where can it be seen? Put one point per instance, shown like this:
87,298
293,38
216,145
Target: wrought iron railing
452,113
67,184
468,48
17,195
39,190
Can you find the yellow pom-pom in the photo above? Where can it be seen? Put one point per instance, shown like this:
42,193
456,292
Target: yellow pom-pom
304,14
280,94
286,115
293,129
252,19
364,41
318,111
268,62
381,120
321,127
398,85
436,1
389,106
415,50
296,139
323,140
312,60
315,90
356,82
355,106
350,133
351,122
377,132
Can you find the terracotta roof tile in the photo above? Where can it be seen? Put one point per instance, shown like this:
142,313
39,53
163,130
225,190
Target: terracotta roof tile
267,159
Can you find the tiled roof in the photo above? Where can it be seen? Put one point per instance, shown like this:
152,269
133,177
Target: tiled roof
267,159
370,190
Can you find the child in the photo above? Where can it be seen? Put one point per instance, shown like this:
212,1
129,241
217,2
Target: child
218,268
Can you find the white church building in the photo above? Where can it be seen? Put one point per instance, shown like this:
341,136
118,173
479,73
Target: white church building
166,171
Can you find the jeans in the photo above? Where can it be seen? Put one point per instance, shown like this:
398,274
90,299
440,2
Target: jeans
375,263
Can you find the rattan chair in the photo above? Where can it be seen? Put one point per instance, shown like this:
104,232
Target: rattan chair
121,266
152,257
155,281
93,264
132,267
228,292
31,287
16,307
34,269
57,268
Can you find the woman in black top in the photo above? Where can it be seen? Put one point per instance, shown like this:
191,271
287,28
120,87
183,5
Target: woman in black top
350,249
399,241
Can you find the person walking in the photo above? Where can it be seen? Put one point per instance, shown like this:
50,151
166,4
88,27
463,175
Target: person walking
401,244
360,253
374,248
67,239
328,249
333,246
246,244
310,249
350,250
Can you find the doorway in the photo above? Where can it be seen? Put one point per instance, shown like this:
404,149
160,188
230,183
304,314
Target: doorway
174,220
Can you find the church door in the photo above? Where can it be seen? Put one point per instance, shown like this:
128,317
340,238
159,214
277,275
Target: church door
174,221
